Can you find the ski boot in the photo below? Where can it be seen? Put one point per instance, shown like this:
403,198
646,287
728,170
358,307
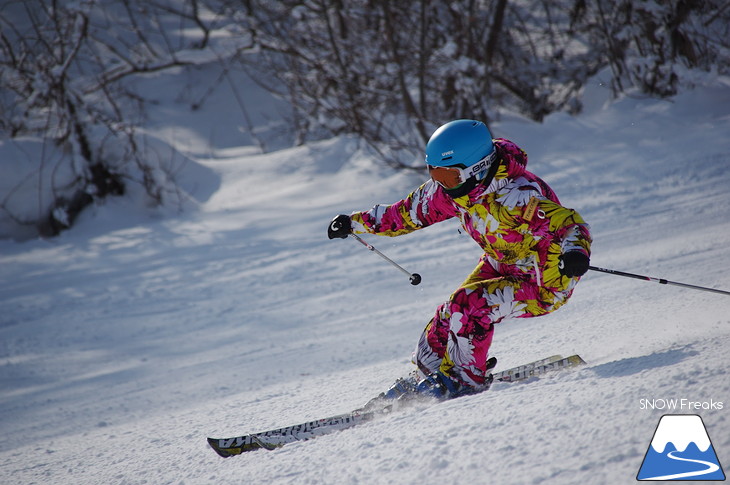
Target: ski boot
401,389
441,386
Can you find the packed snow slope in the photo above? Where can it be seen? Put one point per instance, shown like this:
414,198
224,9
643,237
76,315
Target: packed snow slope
129,339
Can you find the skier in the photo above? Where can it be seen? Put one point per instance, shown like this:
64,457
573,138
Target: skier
535,251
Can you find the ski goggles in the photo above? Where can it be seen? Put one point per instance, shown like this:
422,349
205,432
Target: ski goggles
455,175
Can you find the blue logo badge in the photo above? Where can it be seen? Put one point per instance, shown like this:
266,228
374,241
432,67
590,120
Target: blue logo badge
681,450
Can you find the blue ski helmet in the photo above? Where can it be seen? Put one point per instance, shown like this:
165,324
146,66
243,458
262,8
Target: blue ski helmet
460,142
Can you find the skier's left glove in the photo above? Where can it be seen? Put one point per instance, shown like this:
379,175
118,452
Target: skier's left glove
341,226
573,263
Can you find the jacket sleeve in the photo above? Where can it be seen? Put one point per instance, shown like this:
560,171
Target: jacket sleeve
559,229
426,205
572,232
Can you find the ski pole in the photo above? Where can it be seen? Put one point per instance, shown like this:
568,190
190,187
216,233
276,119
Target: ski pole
414,277
656,280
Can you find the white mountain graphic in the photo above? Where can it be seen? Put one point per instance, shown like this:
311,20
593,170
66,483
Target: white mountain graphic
681,430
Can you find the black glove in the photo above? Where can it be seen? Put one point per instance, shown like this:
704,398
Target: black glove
573,263
341,226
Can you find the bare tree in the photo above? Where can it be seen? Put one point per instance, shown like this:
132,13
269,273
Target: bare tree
392,71
65,69
388,72
650,45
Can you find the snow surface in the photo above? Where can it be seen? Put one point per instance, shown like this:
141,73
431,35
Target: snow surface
128,340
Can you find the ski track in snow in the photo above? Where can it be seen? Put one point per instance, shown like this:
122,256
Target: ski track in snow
128,340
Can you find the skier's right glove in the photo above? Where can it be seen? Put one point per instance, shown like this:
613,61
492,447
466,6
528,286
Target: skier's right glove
573,263
341,227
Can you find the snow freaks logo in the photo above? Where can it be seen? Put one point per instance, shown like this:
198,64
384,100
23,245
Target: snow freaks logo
681,450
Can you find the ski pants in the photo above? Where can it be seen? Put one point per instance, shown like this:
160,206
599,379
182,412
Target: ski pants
457,339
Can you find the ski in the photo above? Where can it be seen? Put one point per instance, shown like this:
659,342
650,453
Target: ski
276,438
538,367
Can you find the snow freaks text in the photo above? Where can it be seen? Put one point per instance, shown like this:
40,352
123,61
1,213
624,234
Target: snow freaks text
680,404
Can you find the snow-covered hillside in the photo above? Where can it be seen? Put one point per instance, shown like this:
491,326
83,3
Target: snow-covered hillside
129,339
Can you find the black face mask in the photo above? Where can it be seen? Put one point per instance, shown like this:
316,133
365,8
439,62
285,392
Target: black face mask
472,182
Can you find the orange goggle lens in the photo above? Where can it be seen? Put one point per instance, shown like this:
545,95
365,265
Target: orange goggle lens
447,177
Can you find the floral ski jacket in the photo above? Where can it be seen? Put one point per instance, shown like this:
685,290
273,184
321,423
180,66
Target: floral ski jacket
517,220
